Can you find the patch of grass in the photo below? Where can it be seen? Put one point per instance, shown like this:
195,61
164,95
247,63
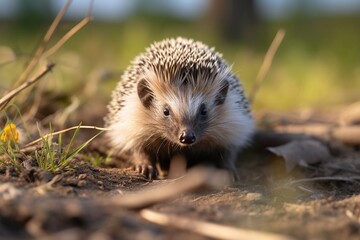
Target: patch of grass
54,156
9,153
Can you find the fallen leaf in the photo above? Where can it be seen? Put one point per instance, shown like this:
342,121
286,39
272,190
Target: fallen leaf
302,153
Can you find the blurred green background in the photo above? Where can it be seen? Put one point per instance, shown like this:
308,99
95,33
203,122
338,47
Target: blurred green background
317,65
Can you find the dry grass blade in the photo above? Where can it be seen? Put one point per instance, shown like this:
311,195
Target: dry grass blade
194,179
56,47
65,130
208,229
40,50
67,36
4,100
70,33
264,69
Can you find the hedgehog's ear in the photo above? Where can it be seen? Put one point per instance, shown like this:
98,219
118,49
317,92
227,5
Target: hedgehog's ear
144,92
220,98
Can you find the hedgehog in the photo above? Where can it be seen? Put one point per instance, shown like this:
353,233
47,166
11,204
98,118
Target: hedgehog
179,97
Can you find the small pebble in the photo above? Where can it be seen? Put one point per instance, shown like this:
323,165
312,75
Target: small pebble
253,196
81,183
8,191
82,176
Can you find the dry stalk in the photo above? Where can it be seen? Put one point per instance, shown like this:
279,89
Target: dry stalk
196,178
4,100
40,50
70,33
56,47
63,131
38,53
266,64
208,229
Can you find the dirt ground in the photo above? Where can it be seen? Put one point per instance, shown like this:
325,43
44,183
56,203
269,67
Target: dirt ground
319,200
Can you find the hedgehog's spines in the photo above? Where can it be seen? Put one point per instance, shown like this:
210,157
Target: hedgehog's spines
176,61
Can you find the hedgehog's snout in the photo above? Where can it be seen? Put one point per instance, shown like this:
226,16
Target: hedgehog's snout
187,137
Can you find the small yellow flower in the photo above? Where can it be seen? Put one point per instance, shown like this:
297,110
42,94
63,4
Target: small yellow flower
10,133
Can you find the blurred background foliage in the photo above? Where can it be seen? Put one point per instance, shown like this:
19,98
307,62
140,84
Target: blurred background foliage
317,65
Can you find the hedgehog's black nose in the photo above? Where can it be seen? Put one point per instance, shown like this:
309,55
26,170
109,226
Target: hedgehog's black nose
187,137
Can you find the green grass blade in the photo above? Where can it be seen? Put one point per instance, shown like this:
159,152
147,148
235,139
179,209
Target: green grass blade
72,139
69,156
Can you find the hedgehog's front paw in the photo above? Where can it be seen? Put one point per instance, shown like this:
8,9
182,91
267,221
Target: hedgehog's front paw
143,165
147,170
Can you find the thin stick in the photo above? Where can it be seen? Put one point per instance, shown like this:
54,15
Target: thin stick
195,178
208,229
4,100
67,36
70,33
40,50
265,66
66,130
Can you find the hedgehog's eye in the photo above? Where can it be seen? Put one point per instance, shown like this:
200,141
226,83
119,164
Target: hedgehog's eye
203,110
166,111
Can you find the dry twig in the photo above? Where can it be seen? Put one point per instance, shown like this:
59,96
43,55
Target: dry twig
70,33
264,69
208,229
194,179
40,51
4,100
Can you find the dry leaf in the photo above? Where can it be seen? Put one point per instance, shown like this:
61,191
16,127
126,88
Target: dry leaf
302,153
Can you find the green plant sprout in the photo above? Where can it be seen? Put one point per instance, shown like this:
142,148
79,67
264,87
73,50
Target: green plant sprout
54,157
